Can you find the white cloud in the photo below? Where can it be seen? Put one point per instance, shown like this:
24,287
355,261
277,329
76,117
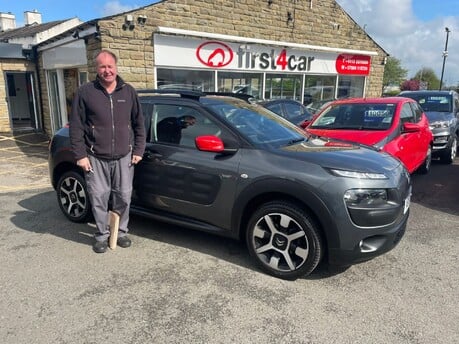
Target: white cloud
417,43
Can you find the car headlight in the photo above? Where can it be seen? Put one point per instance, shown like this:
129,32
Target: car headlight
358,175
365,197
440,125
373,207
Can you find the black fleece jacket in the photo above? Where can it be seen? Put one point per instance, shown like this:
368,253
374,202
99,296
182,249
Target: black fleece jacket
108,126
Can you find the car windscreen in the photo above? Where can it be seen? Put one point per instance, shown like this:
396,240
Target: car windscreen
258,125
358,116
434,103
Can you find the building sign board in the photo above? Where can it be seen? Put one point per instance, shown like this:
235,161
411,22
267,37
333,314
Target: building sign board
188,52
353,64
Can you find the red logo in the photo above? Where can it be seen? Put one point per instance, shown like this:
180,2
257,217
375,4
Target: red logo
214,54
353,64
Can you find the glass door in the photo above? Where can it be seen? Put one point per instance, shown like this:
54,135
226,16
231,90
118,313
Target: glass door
56,95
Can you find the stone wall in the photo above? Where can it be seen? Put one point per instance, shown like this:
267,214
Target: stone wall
44,103
10,65
322,23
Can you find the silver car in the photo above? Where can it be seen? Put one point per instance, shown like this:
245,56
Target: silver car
442,110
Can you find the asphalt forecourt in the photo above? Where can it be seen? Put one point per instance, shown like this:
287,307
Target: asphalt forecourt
181,286
23,162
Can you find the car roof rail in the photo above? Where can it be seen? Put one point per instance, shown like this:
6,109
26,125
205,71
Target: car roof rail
173,91
244,96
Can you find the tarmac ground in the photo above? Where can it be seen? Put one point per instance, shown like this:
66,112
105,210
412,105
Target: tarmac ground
23,161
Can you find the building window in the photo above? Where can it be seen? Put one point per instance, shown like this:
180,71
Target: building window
283,86
82,78
350,86
318,88
236,82
197,80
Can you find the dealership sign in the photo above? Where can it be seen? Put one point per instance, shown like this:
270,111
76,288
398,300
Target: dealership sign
176,51
353,64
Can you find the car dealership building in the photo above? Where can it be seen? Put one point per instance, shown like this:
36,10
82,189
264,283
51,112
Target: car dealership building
300,49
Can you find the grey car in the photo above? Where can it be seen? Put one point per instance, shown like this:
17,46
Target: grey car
290,109
243,172
442,110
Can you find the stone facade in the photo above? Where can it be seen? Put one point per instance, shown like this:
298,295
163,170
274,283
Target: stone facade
10,65
321,23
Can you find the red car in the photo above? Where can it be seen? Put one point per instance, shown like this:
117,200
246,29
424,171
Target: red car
396,125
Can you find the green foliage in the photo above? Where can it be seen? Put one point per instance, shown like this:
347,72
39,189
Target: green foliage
391,93
394,74
428,78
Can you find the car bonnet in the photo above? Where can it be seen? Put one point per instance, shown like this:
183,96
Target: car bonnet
341,155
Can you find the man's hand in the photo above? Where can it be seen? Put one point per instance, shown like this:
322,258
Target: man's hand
135,159
85,164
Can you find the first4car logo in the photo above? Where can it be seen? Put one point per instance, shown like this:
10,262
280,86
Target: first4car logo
214,54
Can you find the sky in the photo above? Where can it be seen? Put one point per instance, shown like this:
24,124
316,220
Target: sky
413,31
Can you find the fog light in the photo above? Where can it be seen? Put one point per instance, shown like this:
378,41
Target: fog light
371,244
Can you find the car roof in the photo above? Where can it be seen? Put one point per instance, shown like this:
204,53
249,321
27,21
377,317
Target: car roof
273,101
375,100
189,94
428,92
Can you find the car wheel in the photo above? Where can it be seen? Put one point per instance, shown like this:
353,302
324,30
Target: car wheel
448,156
284,240
73,197
425,167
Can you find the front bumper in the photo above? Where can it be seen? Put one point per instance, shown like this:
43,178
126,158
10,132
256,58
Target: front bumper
441,141
369,246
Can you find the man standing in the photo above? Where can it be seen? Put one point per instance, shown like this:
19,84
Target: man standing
107,134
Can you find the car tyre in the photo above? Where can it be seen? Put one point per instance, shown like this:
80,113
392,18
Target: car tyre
425,167
284,240
72,197
449,155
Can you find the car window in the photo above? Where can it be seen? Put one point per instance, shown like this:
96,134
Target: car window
417,111
356,116
276,108
147,110
258,125
180,125
407,114
438,103
292,110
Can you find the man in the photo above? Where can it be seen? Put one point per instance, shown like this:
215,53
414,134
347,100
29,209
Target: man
107,134
170,128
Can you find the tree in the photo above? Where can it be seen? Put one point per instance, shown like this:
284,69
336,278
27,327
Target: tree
427,79
394,74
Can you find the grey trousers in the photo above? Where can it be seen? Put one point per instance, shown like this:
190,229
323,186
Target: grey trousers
110,181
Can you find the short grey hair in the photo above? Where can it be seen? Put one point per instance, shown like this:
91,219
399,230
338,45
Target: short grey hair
105,51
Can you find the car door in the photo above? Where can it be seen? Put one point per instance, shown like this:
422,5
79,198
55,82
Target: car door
176,176
410,146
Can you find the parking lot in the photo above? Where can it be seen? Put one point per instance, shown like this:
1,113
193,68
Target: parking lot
178,286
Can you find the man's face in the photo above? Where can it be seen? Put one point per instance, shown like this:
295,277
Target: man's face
106,68
186,121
